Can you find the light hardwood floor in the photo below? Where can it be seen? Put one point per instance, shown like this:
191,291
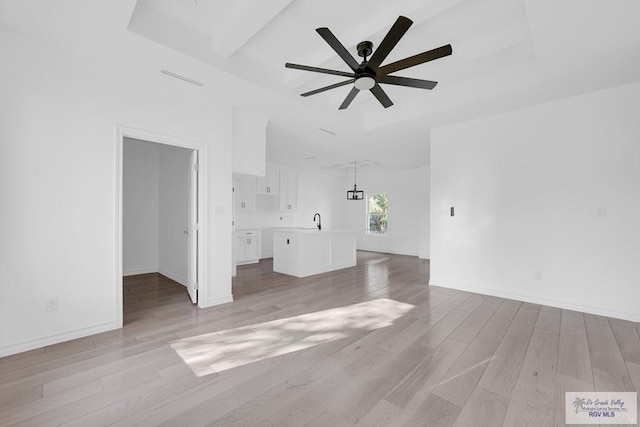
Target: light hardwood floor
371,345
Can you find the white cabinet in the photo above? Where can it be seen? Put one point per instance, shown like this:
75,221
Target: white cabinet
277,182
270,184
303,252
247,246
244,193
288,190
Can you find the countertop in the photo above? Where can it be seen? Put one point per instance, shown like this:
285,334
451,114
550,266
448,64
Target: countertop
312,230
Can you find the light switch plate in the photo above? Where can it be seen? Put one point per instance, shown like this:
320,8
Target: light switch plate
601,212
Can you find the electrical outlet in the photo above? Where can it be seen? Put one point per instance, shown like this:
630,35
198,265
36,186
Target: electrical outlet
537,276
51,304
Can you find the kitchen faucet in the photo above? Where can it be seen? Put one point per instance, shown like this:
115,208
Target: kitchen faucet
319,219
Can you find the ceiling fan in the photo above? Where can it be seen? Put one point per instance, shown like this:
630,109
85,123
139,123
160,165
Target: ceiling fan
369,74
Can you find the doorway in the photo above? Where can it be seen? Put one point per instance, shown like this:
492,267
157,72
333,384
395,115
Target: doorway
160,203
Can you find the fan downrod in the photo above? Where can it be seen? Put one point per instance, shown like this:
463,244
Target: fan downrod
365,49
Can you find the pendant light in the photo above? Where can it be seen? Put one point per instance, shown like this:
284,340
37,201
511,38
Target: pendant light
355,194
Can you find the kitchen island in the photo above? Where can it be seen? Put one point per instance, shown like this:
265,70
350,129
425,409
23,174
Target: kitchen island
303,252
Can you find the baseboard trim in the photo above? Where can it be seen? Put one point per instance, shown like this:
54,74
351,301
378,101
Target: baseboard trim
218,301
538,300
383,251
173,277
139,271
56,338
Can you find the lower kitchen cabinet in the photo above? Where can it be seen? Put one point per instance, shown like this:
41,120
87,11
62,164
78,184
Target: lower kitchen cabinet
248,247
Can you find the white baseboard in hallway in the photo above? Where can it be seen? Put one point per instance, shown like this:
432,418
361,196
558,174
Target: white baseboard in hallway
178,279
136,272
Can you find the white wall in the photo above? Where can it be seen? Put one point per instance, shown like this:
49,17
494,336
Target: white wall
529,188
140,198
249,135
58,173
408,193
317,193
173,212
425,214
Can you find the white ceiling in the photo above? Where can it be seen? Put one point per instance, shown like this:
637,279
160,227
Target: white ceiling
507,54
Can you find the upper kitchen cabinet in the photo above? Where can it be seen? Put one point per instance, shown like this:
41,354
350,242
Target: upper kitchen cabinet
288,190
249,136
244,192
270,184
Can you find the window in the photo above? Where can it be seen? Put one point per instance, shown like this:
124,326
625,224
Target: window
377,206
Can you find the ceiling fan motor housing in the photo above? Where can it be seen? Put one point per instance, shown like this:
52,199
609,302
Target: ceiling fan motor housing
365,77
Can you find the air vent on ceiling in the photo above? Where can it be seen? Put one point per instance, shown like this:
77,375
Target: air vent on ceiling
327,131
183,78
346,168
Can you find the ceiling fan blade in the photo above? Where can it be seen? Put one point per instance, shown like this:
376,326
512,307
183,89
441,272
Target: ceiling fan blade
381,95
418,59
392,38
349,98
405,81
335,44
319,70
322,89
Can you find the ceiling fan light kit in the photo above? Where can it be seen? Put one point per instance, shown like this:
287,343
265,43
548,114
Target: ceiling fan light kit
369,74
364,83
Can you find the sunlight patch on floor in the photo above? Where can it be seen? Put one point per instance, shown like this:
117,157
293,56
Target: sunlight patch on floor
219,351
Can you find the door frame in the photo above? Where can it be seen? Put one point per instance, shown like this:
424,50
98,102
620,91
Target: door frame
129,132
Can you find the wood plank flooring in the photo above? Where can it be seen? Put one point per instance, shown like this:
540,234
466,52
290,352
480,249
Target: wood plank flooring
372,345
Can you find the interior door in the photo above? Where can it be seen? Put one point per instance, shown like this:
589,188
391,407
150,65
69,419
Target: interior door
192,241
